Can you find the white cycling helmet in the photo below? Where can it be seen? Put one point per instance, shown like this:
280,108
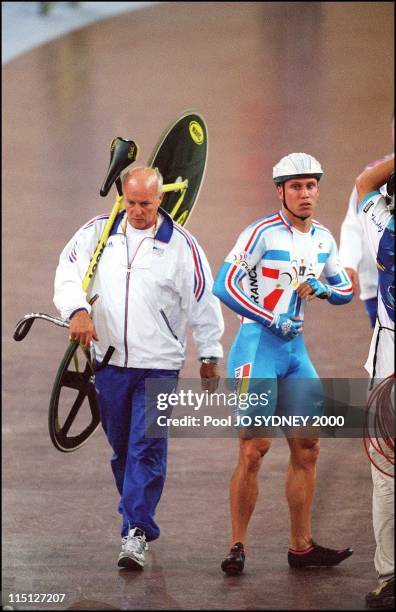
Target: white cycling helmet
295,165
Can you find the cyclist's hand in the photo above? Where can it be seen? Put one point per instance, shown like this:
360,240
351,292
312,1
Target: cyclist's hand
312,288
286,327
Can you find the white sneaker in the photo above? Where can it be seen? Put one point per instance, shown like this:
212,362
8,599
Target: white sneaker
132,550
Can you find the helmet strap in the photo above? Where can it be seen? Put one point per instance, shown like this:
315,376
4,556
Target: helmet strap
288,209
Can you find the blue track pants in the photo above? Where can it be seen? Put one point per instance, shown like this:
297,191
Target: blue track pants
138,462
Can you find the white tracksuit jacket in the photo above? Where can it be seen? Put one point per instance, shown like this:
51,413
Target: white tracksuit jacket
142,311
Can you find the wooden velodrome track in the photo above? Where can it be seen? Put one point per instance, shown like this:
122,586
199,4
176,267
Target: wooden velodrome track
269,78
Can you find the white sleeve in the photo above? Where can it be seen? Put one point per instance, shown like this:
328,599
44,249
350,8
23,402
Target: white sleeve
375,217
73,264
339,283
205,316
351,235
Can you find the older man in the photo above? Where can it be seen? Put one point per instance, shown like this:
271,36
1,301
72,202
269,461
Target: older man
153,279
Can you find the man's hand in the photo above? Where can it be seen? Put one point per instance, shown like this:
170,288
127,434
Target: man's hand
209,377
354,278
286,328
82,329
313,288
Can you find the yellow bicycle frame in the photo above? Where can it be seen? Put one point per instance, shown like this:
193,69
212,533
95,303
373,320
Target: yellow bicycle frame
118,206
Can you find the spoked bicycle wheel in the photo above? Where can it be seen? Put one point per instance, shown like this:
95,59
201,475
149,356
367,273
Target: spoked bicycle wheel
74,385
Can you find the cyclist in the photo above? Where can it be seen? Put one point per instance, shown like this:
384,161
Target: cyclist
273,268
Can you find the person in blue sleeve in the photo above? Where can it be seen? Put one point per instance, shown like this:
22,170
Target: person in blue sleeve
354,254
276,265
376,213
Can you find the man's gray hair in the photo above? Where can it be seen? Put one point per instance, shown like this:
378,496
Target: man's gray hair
156,173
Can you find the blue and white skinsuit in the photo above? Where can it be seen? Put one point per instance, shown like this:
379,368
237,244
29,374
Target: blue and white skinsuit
258,280
144,304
